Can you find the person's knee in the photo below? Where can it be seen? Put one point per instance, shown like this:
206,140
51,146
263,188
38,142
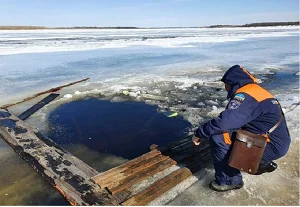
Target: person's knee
218,142
271,154
279,155
220,151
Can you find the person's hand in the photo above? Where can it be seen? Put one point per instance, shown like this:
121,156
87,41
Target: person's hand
196,140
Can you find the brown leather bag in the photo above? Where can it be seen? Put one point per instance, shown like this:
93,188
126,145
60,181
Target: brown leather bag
248,149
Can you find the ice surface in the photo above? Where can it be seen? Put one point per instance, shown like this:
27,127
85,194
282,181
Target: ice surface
24,74
176,69
37,41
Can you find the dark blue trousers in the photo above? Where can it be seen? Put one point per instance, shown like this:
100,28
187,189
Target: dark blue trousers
220,150
224,174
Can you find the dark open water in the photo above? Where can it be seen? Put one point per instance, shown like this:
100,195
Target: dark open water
125,129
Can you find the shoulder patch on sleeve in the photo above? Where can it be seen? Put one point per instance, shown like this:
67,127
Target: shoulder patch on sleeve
234,104
239,97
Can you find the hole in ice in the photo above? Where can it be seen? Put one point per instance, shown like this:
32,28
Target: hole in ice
125,129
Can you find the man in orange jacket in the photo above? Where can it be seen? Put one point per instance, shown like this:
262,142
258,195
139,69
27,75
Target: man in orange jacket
251,108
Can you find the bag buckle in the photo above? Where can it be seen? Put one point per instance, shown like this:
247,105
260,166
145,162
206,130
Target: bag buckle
249,144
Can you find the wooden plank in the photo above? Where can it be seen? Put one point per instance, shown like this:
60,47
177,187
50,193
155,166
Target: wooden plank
175,144
38,106
158,188
44,92
117,187
144,164
88,170
182,152
132,170
153,146
186,154
55,165
122,196
115,171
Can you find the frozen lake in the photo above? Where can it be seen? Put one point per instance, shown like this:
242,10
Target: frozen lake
178,69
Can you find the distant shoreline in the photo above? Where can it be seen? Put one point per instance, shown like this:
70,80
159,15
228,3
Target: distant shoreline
262,24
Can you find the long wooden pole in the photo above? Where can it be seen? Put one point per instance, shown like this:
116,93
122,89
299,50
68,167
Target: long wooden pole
44,92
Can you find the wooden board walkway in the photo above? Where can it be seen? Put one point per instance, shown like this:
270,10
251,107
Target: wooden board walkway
121,181
136,182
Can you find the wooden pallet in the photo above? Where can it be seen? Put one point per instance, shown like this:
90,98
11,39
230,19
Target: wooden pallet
68,174
120,181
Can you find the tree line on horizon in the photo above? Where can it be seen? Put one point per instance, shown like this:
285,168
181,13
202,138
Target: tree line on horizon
261,24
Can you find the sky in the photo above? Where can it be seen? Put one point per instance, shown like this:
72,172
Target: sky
145,13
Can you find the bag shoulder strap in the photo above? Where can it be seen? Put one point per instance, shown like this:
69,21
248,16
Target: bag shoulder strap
278,123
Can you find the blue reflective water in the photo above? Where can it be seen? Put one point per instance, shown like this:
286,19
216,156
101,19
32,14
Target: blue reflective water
125,129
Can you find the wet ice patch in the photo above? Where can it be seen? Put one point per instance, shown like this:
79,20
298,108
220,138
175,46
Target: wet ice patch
67,96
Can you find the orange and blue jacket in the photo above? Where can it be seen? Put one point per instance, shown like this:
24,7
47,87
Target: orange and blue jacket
251,108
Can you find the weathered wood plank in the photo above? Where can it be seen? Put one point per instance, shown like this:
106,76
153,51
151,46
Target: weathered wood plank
52,163
144,164
183,151
88,170
38,106
100,178
175,144
132,170
158,188
122,196
52,90
117,187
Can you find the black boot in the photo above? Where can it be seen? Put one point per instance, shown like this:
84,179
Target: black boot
265,167
221,188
